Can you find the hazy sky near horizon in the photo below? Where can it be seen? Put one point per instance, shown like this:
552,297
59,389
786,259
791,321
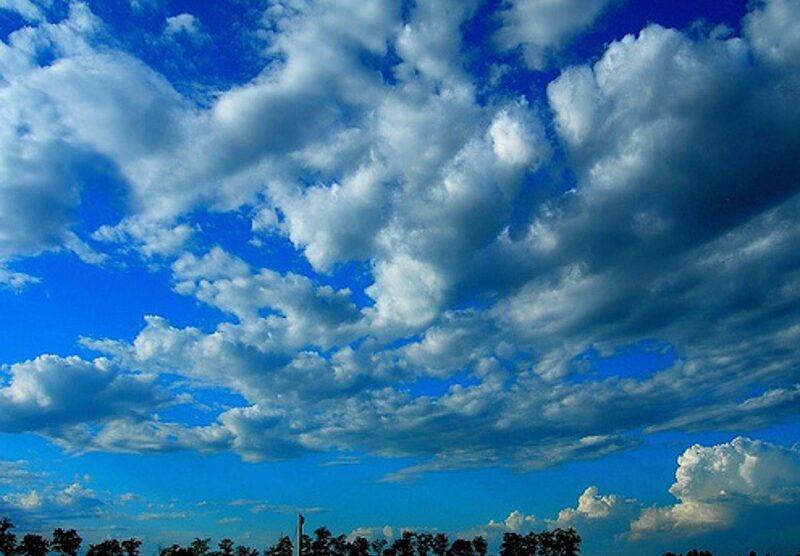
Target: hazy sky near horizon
466,266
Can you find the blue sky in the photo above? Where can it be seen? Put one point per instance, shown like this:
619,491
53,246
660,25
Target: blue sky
464,266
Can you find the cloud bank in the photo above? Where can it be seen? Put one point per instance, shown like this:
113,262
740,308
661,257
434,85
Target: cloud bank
501,247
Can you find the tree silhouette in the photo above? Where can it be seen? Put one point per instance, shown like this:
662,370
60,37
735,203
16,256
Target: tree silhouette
338,546
529,544
225,547
547,543
321,545
424,544
283,547
567,542
440,544
8,540
200,547
405,544
480,545
358,547
34,545
109,547
460,547
175,550
512,544
131,546
377,546
242,550
66,542
305,544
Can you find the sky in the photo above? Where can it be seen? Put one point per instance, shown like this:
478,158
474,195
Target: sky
461,266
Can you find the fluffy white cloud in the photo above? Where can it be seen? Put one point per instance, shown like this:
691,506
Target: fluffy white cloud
518,139
485,273
184,23
719,485
51,395
541,26
430,43
742,493
50,502
339,222
591,505
25,8
770,29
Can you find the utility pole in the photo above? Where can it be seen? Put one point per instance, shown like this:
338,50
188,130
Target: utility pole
300,521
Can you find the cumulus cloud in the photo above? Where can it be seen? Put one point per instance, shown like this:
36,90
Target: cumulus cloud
592,506
51,503
719,484
51,391
25,8
731,495
769,28
600,519
539,27
94,405
482,270
184,24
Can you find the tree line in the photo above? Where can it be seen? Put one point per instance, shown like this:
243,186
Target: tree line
558,542
63,542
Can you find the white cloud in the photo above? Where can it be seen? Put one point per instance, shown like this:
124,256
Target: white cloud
516,521
184,23
771,30
743,493
16,280
429,43
592,505
16,473
29,501
541,26
52,394
718,485
518,139
679,227
25,8
339,222
50,502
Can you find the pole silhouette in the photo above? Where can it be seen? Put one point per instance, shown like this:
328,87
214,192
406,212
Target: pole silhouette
300,521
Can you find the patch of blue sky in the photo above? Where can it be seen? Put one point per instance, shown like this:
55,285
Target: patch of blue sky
76,299
205,406
638,360
228,54
403,341
382,64
437,387
10,22
190,415
28,447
